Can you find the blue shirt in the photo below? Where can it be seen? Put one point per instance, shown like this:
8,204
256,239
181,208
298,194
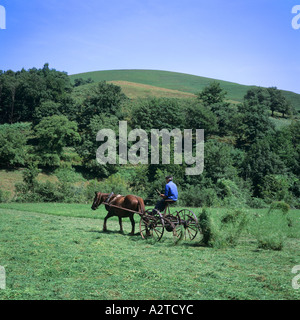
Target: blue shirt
171,191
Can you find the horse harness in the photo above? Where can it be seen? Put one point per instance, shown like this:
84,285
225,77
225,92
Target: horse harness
110,198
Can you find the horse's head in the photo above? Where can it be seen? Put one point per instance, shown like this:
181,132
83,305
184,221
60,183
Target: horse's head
97,200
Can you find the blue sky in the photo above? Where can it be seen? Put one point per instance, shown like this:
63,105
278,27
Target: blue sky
245,41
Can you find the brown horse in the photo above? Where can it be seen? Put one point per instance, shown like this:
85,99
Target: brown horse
130,202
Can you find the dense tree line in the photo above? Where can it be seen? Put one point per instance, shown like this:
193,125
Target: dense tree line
248,160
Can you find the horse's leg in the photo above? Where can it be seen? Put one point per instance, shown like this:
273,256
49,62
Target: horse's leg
132,224
120,223
105,220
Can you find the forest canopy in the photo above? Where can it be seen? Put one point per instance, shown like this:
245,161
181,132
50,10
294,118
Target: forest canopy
249,159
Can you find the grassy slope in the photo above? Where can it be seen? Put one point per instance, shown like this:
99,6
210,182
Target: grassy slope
9,178
175,81
56,257
135,90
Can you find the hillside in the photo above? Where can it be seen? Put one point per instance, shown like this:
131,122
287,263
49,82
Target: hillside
174,81
138,90
134,90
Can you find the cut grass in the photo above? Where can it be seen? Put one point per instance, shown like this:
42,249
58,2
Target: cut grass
63,257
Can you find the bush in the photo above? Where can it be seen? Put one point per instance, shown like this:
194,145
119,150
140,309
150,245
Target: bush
68,175
256,203
73,193
196,196
30,190
49,192
276,187
233,194
279,205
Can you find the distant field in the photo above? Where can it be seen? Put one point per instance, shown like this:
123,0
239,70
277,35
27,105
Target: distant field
176,81
138,90
58,252
8,179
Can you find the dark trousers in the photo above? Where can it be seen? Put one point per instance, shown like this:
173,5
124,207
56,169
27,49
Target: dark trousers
161,205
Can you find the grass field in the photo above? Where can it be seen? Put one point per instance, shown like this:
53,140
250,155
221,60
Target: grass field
138,90
182,82
58,251
8,179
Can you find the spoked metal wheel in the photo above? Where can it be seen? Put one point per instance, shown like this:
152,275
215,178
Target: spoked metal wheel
188,225
152,226
174,227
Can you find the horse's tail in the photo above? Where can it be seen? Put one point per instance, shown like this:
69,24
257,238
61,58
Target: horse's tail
141,205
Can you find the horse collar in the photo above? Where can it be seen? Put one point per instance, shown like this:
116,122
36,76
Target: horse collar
108,198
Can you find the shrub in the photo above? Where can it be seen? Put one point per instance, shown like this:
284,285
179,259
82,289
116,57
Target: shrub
49,192
256,203
232,193
30,190
279,205
114,183
68,175
196,196
276,187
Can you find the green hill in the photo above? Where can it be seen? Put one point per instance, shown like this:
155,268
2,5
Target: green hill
176,81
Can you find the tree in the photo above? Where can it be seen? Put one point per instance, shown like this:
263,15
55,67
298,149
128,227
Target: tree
286,108
88,147
156,113
212,94
58,84
23,91
218,161
105,98
278,102
199,117
294,130
8,88
251,124
13,144
259,162
80,81
53,134
275,187
224,113
257,96
281,143
46,109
